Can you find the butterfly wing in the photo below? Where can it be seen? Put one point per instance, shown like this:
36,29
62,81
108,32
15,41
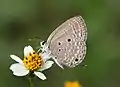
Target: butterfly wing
67,42
76,24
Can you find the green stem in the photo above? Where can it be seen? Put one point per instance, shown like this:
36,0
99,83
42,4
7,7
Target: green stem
31,82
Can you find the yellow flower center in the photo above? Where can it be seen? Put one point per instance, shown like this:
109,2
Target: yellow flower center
33,61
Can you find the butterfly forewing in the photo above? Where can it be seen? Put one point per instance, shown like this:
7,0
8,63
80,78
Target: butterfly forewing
75,24
67,42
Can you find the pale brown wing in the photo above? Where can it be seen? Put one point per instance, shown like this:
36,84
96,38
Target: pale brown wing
67,42
69,51
76,24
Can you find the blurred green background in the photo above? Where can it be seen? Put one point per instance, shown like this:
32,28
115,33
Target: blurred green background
21,20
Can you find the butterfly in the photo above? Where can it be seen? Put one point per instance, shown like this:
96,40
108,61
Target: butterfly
67,43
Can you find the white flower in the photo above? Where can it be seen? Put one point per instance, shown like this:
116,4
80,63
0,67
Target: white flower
32,62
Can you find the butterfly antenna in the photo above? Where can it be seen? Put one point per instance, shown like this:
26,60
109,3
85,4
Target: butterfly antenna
34,38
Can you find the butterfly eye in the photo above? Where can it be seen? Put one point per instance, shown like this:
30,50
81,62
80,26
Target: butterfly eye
43,43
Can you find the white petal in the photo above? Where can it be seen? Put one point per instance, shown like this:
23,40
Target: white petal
45,56
27,50
16,58
40,75
19,70
47,65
